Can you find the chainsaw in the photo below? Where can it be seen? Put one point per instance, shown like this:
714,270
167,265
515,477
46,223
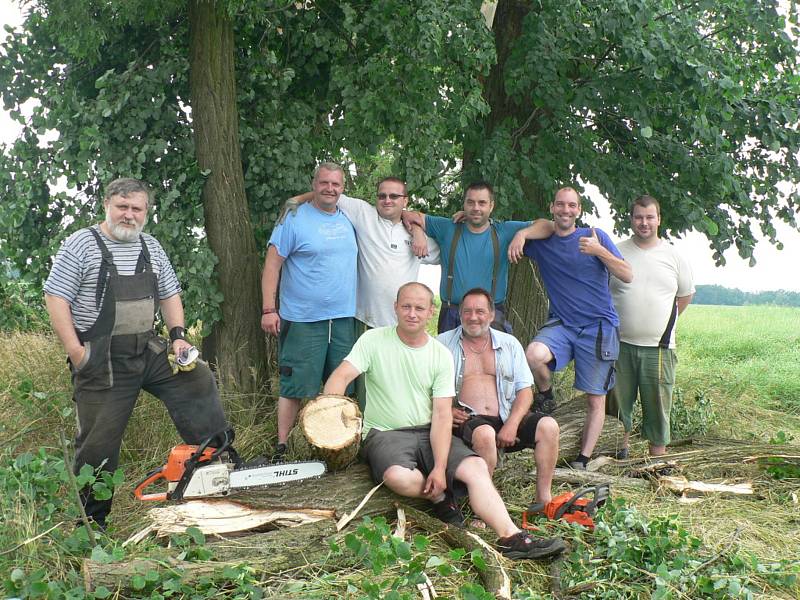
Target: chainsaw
573,507
204,471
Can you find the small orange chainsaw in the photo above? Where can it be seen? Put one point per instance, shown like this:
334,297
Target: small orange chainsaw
573,507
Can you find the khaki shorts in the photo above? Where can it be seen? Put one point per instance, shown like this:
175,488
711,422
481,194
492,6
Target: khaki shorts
411,448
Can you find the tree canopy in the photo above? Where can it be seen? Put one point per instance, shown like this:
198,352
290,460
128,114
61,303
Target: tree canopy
694,102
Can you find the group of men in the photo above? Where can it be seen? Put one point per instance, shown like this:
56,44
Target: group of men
348,307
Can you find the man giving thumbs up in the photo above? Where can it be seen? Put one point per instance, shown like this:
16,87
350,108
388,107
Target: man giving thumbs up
582,325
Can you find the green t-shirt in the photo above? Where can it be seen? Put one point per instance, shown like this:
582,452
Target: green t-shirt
401,381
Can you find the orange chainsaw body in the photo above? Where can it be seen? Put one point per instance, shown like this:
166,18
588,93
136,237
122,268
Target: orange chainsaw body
175,468
572,507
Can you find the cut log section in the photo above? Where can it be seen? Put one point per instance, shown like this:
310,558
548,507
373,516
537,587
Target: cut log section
328,428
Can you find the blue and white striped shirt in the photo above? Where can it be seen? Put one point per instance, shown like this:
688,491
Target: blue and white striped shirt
77,266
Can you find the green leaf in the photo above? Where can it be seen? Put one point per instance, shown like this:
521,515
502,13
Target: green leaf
647,132
138,582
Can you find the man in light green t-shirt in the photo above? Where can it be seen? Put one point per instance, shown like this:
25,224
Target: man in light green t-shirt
408,422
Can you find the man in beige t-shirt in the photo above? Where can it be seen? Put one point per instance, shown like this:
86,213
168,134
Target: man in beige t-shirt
648,309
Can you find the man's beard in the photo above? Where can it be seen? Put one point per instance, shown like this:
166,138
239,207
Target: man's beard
121,233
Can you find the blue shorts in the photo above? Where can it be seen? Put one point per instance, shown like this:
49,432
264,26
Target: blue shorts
594,348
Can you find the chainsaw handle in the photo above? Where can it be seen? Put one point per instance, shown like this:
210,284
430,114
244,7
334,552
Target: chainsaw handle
147,481
600,496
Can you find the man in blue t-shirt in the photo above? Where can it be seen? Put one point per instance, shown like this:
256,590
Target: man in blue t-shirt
474,253
313,252
575,264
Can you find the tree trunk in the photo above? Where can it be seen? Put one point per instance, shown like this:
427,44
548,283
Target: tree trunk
237,344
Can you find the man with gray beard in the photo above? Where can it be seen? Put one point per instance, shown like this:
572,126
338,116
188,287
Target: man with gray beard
106,286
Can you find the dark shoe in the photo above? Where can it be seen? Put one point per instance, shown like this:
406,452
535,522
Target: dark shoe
622,454
523,545
543,404
279,454
448,511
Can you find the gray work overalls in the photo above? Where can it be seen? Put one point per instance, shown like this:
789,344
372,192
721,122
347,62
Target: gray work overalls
124,356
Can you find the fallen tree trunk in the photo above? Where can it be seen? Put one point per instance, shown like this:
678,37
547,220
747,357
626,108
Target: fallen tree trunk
494,578
341,492
272,552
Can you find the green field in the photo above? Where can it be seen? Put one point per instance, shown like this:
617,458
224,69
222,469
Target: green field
737,379
748,360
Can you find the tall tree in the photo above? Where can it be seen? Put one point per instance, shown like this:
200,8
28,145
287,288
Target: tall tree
692,101
236,343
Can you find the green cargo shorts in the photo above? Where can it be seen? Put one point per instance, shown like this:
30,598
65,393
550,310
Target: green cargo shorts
309,353
650,373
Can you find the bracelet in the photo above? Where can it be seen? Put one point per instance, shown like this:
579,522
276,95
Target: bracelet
268,311
177,333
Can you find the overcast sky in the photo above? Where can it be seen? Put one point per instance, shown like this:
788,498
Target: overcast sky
774,270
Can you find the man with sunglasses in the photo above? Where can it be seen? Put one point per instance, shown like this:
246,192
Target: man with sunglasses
385,257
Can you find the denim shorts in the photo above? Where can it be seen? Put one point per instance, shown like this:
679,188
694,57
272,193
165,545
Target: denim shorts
594,349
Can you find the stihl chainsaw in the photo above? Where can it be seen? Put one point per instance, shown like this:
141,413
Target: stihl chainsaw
573,507
203,471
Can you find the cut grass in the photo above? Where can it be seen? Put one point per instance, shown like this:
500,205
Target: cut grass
744,359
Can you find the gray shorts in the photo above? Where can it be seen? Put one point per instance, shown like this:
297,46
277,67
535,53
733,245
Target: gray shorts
410,447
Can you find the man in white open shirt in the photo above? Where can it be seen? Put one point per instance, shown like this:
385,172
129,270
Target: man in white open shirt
385,256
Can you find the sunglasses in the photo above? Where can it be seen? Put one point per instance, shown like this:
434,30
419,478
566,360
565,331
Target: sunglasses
383,196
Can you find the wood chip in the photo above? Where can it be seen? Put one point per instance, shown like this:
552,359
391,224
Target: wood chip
505,589
684,486
400,530
426,588
346,518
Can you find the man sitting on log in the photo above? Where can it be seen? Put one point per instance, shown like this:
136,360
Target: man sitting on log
493,392
407,434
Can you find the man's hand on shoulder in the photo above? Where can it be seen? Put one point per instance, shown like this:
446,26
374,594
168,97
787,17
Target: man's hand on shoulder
411,218
419,242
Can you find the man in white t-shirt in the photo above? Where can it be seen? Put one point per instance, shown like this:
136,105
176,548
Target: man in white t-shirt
648,309
407,436
385,256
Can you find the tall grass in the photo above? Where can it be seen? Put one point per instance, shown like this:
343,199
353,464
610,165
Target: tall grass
744,359
748,360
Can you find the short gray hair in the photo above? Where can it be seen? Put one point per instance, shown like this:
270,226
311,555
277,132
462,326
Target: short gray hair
125,186
328,166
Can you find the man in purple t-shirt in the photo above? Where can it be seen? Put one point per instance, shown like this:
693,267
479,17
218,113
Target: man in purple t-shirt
575,264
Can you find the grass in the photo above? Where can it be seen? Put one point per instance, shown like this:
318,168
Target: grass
744,360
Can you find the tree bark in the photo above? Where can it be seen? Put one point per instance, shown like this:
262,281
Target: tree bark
236,345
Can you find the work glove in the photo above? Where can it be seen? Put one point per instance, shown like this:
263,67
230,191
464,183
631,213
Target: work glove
186,362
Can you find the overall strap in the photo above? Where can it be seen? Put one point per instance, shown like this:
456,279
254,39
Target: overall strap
451,262
143,264
496,266
106,267
664,341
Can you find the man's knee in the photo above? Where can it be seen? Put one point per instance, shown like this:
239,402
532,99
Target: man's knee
397,476
538,354
484,437
472,469
596,402
547,431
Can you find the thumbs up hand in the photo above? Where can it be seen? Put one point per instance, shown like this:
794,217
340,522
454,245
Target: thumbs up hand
590,244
